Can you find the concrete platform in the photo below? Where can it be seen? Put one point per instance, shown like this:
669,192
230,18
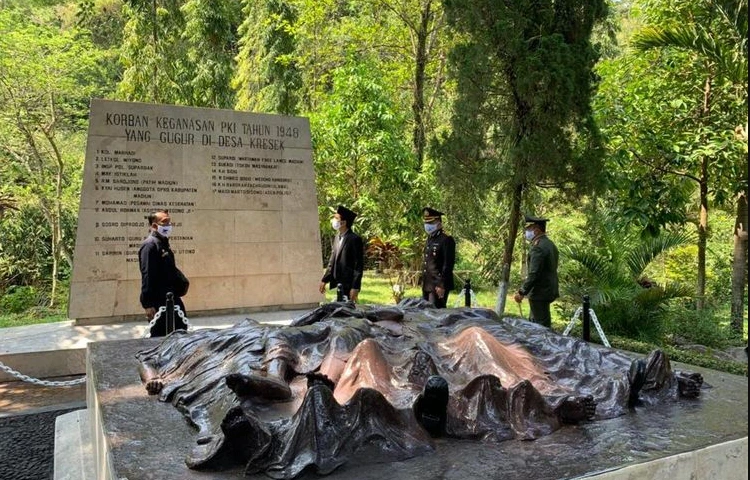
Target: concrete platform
137,437
59,349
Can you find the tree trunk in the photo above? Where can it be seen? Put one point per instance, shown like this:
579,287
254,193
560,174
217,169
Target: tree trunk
700,293
510,242
739,265
55,267
702,236
420,63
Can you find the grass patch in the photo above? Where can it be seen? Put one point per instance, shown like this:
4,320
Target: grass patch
377,290
33,316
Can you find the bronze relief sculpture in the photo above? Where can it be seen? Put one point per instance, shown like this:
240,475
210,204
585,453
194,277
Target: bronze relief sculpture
346,383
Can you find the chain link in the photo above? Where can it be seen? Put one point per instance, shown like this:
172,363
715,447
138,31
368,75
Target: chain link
45,383
594,319
78,381
161,310
461,299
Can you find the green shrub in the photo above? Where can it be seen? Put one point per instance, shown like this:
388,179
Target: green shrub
704,327
623,317
18,299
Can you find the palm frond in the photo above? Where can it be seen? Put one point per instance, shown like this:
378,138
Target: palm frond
677,290
600,268
644,253
730,59
686,37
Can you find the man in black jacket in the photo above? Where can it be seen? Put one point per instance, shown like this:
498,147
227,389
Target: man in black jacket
541,285
159,273
346,264
439,258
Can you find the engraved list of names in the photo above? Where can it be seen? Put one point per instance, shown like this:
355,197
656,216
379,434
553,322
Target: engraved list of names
240,189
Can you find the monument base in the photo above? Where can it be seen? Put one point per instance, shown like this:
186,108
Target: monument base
137,437
197,314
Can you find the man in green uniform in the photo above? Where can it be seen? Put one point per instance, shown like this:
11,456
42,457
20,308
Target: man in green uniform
540,285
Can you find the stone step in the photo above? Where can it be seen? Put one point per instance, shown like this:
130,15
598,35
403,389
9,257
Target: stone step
74,453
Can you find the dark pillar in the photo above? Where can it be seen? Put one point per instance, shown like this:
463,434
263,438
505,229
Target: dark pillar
586,318
467,293
170,313
339,293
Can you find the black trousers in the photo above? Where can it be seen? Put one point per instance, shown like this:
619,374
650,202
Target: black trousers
345,289
433,298
161,329
540,313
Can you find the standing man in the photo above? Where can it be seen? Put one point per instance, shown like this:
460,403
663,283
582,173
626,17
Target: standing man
159,273
439,258
541,279
347,261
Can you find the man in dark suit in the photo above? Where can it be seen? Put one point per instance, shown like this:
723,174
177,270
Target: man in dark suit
159,273
541,285
439,258
346,264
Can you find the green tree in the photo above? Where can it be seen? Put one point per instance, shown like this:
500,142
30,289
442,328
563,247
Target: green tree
522,118
151,52
210,38
179,51
267,77
360,155
47,77
701,44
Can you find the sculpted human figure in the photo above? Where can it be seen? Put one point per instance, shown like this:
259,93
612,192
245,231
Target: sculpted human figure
392,377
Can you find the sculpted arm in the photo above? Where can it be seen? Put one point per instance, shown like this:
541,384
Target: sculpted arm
151,378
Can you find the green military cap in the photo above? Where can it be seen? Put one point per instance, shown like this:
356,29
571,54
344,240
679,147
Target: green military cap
541,222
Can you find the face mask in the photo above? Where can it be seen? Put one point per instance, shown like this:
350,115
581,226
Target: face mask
529,234
430,227
335,224
164,230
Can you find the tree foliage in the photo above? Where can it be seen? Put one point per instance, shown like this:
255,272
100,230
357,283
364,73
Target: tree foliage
679,127
267,77
522,117
46,80
361,158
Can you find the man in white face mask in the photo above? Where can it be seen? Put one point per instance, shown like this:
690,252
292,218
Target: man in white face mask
541,285
159,272
439,258
346,264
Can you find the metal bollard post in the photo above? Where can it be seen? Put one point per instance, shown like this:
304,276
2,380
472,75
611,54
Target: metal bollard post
467,293
586,318
339,293
170,313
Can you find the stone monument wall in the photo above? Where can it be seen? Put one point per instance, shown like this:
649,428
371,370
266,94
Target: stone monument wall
240,189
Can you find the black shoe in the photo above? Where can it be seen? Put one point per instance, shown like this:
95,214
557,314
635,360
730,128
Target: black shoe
432,405
637,378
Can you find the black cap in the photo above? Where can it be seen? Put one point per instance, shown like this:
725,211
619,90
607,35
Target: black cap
346,215
541,222
430,214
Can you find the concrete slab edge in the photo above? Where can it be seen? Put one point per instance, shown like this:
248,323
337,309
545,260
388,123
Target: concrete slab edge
45,364
103,464
45,409
723,460
73,451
